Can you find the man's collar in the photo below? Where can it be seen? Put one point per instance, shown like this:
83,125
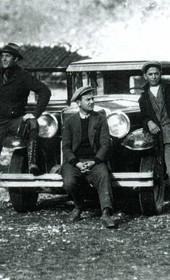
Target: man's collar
147,85
82,116
10,69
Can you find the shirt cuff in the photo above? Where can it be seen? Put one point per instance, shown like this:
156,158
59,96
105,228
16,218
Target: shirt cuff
97,160
73,161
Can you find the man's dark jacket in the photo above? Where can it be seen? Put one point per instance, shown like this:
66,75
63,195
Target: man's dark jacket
147,111
14,94
98,133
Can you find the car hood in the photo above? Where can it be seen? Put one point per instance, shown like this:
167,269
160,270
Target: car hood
111,103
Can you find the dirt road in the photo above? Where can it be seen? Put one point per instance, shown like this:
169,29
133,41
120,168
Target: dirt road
42,245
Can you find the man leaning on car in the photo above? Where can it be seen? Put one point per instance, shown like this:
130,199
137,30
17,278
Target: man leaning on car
86,144
155,107
15,86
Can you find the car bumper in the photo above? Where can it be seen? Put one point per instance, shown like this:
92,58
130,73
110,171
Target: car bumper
123,179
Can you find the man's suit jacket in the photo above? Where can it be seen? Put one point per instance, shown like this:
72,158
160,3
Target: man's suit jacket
98,133
147,111
14,94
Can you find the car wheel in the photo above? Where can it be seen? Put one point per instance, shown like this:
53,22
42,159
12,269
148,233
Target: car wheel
151,199
22,199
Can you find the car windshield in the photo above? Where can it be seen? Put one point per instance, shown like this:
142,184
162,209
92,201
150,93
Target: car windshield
110,82
105,82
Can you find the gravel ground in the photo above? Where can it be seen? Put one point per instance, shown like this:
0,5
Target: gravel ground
42,245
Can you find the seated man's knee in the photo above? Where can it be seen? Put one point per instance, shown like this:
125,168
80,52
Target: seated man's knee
68,185
102,171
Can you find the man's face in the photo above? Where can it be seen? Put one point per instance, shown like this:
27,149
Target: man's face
8,60
86,103
153,76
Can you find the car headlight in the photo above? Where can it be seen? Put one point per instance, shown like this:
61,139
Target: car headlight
48,125
119,124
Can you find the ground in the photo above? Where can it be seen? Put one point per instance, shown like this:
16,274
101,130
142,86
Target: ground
43,245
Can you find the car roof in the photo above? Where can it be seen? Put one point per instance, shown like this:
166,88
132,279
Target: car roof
109,65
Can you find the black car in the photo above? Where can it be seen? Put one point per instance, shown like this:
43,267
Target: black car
138,171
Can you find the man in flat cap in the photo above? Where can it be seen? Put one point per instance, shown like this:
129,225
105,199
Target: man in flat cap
85,145
15,86
155,108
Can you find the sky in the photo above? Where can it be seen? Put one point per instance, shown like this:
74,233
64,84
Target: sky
111,29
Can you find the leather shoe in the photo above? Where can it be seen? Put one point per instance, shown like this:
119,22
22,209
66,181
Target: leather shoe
107,220
75,215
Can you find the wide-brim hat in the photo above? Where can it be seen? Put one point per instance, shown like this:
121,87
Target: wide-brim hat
81,91
12,49
149,64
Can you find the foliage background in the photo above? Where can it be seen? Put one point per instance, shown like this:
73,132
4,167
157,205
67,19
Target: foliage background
118,28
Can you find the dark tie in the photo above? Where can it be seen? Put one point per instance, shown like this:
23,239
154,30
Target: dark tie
5,76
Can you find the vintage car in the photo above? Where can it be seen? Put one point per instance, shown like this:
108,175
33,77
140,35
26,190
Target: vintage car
138,172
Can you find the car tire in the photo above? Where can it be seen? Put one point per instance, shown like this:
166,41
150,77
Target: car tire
22,199
151,199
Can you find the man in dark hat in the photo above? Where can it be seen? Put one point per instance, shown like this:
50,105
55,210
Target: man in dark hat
86,143
155,108
15,86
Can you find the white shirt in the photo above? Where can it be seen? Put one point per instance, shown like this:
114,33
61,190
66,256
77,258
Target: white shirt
154,90
83,116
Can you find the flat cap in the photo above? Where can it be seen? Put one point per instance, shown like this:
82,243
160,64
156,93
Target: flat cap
149,64
81,91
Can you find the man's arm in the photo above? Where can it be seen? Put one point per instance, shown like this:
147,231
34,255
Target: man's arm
43,92
103,141
148,123
68,154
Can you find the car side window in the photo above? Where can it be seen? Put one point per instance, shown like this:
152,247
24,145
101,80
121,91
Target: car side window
136,84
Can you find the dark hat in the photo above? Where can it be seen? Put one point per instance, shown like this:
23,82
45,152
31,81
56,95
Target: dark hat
149,64
12,49
81,91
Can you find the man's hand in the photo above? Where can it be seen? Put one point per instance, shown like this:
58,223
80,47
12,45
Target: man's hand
85,166
90,164
80,165
28,116
153,127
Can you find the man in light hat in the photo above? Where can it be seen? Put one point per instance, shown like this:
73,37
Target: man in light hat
155,108
15,86
86,143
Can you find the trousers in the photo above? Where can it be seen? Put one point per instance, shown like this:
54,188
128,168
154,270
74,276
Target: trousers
98,177
167,158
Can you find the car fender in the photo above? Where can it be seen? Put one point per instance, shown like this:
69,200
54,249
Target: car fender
139,140
14,142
